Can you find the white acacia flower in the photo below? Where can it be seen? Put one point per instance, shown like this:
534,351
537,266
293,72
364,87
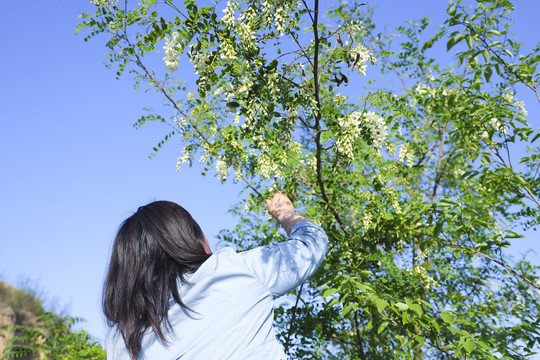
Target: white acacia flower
200,60
228,17
203,157
222,169
405,154
104,2
228,54
377,127
339,100
351,127
172,57
499,125
361,56
267,168
367,219
521,107
423,89
184,157
508,97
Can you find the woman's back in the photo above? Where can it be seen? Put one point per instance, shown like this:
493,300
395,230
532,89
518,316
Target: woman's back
228,310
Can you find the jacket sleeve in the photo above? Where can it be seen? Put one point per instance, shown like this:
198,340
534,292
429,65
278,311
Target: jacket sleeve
283,266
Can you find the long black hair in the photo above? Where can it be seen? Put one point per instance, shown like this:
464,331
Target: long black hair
154,248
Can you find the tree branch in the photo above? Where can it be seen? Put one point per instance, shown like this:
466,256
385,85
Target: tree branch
359,337
289,333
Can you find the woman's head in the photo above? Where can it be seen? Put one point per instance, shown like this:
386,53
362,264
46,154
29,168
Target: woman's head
154,248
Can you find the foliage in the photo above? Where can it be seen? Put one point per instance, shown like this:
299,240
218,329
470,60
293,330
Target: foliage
420,187
27,298
52,339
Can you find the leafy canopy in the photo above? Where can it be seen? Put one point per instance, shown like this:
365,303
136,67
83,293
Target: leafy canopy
406,145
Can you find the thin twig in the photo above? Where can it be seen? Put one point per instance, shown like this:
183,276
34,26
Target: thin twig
289,333
476,252
358,336
439,161
302,49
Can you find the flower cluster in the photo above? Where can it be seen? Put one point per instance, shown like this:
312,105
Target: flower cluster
172,57
200,60
184,157
104,2
361,56
499,125
424,90
494,126
339,100
228,17
351,126
376,126
405,154
520,105
228,54
280,16
240,26
272,81
367,220
227,89
267,167
222,169
508,97
280,20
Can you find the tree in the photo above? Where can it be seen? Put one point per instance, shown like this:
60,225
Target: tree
52,339
420,188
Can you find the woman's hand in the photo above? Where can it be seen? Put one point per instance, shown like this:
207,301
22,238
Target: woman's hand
282,209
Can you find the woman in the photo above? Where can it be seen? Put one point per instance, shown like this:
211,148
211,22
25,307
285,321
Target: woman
169,297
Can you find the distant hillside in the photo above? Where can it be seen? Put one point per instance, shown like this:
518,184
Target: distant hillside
28,332
17,307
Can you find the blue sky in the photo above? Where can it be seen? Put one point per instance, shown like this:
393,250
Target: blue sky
73,167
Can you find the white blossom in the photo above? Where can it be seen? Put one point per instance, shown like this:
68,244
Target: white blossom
424,90
367,219
228,17
499,125
267,168
351,126
361,56
200,60
339,100
222,169
228,54
377,128
521,107
184,157
172,57
405,154
508,97
104,2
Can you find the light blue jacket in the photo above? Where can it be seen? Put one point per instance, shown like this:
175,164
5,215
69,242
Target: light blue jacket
232,295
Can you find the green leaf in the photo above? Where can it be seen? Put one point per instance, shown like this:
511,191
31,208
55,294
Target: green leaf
417,309
469,346
402,306
487,73
328,292
382,327
381,305
448,317
513,235
347,309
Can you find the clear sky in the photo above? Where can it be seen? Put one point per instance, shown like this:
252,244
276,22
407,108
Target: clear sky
73,167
